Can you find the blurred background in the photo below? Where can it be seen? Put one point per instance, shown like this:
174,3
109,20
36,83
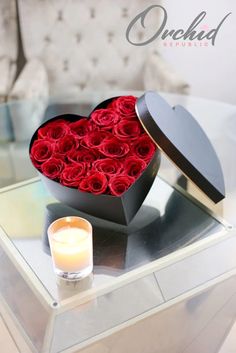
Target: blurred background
66,56
210,71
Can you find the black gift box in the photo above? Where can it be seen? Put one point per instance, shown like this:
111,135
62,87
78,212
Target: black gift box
178,135
116,209
120,209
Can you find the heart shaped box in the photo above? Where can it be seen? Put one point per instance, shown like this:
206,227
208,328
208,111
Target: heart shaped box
177,134
120,209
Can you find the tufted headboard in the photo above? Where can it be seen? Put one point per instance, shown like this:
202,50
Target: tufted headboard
8,46
8,30
82,43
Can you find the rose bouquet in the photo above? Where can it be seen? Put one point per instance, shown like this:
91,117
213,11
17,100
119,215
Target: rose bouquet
104,154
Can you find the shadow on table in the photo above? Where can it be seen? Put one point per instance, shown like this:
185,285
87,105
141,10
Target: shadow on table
150,235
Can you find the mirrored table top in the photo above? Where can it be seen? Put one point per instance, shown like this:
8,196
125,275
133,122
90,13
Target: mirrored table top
166,222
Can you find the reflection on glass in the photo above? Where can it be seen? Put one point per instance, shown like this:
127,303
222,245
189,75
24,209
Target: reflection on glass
118,248
166,222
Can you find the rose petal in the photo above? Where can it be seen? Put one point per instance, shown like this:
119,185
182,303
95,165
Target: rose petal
108,166
114,148
95,139
53,168
54,130
83,155
41,151
81,127
134,166
96,183
125,106
67,144
128,129
105,118
72,174
144,148
120,184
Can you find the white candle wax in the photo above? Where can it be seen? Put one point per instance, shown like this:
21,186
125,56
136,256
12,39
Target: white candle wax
71,249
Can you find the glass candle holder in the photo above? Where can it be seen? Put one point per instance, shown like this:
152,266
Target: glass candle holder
71,245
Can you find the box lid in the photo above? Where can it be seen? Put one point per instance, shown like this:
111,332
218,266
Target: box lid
176,132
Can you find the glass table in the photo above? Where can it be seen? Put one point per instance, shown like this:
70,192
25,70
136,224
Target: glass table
165,283
135,270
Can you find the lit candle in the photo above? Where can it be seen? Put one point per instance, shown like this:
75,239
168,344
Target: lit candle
71,247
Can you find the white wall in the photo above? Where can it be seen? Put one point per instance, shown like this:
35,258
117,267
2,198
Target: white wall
211,71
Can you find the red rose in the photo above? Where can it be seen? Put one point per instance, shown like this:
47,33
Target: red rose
125,106
104,154
60,156
114,148
105,118
67,144
83,155
127,129
119,184
54,130
83,185
95,139
134,166
144,148
53,168
41,151
108,166
81,127
71,174
95,183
